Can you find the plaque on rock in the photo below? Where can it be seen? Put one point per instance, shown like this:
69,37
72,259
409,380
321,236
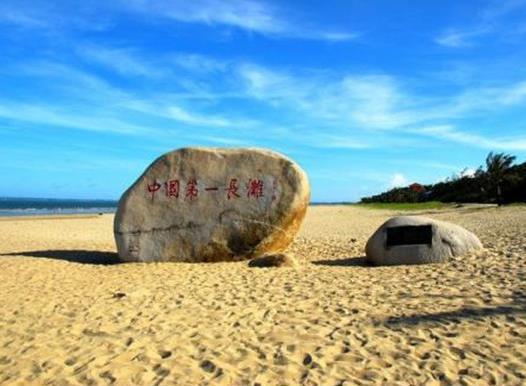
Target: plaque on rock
409,235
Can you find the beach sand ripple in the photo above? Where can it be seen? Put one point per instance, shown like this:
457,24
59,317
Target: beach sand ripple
70,315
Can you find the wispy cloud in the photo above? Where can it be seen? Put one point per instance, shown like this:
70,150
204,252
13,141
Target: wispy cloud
488,22
447,132
499,8
198,63
53,16
335,36
461,38
379,100
72,82
348,105
122,60
248,15
111,109
372,101
335,110
427,164
51,116
171,111
322,140
252,16
181,115
22,19
488,98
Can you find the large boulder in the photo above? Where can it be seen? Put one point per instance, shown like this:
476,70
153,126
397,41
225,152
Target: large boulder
418,240
212,204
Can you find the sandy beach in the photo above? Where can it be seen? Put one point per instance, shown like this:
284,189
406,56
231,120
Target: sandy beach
69,315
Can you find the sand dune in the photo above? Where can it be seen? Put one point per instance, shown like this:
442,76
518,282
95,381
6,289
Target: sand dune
70,316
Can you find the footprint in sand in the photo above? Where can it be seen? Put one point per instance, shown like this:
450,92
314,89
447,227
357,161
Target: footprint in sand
165,354
208,366
107,375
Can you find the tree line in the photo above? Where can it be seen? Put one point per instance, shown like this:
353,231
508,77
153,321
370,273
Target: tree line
500,181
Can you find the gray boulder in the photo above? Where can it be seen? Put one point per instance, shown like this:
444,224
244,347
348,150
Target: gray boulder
212,204
418,240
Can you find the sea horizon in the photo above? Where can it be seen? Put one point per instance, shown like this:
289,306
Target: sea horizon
38,206
35,206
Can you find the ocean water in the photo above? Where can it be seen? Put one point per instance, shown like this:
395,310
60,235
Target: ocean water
10,206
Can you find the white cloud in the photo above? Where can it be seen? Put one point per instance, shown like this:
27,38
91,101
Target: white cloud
248,15
336,36
225,141
467,172
50,115
461,38
354,103
488,98
52,16
181,115
79,87
368,101
345,111
499,8
198,63
398,180
72,82
21,19
123,61
489,22
337,142
167,109
424,164
448,132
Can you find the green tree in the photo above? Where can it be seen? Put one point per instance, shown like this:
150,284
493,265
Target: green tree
496,166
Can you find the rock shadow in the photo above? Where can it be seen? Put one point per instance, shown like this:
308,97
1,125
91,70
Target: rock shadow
345,262
75,256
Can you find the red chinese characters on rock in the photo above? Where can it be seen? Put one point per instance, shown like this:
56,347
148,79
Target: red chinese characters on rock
191,189
153,188
232,189
254,188
172,188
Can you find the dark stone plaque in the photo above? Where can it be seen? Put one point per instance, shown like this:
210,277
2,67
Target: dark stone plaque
409,235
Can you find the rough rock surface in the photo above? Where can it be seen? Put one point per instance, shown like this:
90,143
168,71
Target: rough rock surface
212,204
418,240
277,260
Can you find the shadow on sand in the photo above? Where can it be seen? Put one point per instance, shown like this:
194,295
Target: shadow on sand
515,307
75,256
345,262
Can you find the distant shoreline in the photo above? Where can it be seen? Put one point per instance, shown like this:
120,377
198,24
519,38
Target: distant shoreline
23,207
35,207
59,208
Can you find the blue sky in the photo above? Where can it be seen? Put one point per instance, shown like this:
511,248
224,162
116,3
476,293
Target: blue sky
364,95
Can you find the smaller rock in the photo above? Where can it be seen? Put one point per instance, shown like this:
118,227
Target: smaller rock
277,260
419,240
